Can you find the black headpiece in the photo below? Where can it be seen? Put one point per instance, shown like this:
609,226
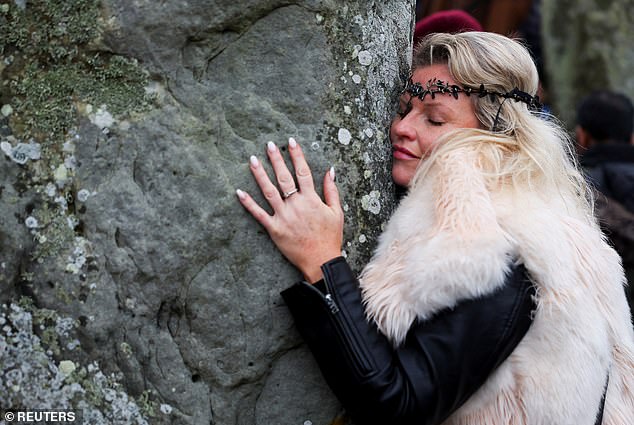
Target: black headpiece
437,86
434,87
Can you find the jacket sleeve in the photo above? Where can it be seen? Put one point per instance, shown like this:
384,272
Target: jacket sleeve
442,362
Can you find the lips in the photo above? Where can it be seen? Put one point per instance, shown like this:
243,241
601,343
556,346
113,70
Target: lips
403,153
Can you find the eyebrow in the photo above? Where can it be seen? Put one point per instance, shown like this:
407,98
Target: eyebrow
435,104
428,101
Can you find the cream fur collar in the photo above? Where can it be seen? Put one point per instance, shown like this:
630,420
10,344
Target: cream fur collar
453,238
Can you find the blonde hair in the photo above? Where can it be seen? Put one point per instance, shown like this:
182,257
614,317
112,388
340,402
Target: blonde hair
529,150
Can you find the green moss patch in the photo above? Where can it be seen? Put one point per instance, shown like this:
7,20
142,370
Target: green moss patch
50,64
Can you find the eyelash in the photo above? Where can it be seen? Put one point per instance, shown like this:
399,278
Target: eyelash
404,111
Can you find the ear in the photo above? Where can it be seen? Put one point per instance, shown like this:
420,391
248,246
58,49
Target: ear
632,139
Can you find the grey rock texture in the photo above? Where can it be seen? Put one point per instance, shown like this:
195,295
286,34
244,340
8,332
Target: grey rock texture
129,225
587,46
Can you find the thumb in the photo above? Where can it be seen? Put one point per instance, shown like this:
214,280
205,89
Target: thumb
331,193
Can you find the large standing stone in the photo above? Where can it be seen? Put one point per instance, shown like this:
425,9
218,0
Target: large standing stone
587,46
138,235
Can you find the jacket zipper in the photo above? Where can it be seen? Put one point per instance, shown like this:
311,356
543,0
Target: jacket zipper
357,352
332,305
351,344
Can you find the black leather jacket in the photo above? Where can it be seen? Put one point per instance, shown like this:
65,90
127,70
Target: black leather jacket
440,365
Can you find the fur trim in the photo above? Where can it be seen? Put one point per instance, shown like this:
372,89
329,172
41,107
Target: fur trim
453,237
619,404
461,251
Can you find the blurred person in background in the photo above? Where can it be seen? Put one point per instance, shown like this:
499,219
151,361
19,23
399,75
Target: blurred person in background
605,142
449,21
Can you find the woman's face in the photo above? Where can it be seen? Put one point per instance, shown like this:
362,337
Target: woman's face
415,133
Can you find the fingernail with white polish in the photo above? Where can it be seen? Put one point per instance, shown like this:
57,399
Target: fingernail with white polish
241,194
254,161
332,173
271,147
292,143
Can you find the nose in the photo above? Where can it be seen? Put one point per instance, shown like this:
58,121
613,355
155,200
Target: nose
402,129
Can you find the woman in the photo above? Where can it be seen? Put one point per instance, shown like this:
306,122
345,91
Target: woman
491,190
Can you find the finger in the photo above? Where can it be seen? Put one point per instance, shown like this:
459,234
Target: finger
331,193
256,211
269,190
284,177
302,170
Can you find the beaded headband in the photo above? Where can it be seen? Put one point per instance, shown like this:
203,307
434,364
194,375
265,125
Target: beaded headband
436,86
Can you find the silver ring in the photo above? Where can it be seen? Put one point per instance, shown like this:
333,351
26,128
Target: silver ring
289,193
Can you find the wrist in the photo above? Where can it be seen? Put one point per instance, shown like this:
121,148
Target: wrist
313,276
312,273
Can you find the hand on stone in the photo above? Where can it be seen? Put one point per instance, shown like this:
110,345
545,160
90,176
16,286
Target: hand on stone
306,230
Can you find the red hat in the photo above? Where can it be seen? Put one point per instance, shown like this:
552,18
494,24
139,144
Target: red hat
450,21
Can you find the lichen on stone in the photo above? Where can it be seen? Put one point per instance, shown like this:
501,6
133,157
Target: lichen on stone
126,349
36,372
48,101
344,136
365,58
363,103
83,195
22,152
50,70
52,232
55,69
52,66
371,202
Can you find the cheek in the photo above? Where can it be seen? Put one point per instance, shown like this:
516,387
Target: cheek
401,175
475,122
472,121
403,171
427,140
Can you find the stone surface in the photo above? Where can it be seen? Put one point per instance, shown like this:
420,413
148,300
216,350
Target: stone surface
140,240
587,46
